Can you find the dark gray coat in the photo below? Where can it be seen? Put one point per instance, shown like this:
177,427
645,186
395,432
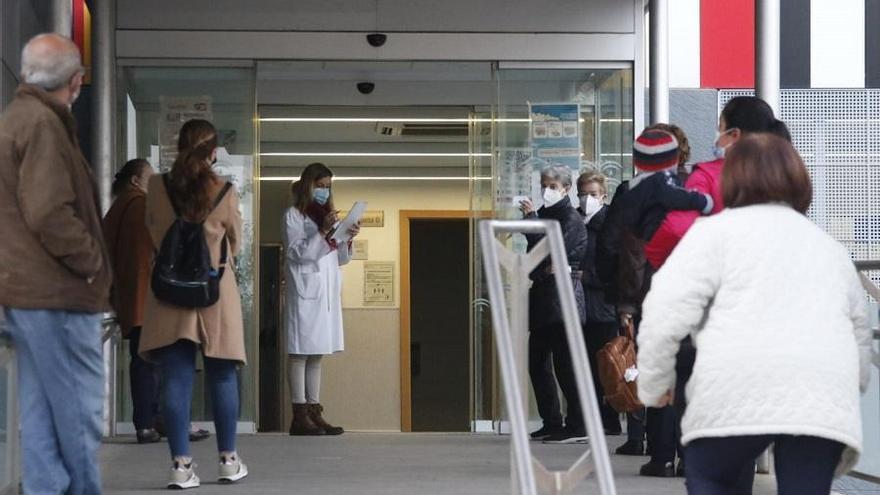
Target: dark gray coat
545,309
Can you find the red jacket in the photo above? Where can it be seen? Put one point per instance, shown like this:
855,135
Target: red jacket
706,178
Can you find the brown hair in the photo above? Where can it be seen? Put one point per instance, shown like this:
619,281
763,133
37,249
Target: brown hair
593,176
684,147
764,168
191,175
303,189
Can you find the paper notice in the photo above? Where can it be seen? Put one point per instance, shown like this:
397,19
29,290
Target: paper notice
340,232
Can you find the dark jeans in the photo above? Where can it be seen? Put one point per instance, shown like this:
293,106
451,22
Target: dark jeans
596,335
663,433
144,385
178,367
635,426
726,465
549,353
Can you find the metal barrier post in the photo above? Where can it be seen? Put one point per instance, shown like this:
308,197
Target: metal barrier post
110,340
511,335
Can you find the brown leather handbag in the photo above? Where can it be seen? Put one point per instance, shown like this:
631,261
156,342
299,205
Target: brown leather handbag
613,360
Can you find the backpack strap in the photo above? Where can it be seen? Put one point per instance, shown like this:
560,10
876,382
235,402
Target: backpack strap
220,195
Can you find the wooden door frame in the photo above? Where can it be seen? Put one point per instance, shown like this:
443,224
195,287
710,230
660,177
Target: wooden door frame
405,303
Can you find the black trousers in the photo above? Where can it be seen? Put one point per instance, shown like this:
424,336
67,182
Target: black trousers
726,465
596,335
550,363
144,385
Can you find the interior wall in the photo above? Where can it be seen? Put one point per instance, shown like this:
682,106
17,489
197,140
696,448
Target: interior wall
361,386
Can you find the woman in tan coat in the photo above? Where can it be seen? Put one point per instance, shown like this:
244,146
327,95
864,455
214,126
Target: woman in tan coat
173,334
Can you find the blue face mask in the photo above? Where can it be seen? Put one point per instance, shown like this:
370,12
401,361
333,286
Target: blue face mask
720,151
321,195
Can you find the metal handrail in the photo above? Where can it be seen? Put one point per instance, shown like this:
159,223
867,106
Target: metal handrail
110,336
529,473
8,361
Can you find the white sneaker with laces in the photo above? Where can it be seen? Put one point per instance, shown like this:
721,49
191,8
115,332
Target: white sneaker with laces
183,476
231,469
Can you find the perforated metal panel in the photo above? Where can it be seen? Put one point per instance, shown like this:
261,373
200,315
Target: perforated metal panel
837,132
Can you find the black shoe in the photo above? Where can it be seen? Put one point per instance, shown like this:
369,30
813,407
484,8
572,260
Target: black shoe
545,432
196,435
148,436
566,436
658,470
679,471
631,448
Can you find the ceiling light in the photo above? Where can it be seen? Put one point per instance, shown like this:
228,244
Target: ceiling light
385,119
380,178
376,154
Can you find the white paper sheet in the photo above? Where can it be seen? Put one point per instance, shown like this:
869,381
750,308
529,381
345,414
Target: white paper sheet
340,232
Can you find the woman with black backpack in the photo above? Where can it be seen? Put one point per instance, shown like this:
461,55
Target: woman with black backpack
194,305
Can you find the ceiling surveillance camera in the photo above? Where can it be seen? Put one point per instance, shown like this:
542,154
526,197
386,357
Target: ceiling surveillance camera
366,88
376,39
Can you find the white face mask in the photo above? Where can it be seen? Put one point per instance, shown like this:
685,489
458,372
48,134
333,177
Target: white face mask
590,205
552,196
720,151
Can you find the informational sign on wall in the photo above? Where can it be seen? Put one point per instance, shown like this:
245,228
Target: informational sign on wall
516,176
174,111
360,249
379,283
555,136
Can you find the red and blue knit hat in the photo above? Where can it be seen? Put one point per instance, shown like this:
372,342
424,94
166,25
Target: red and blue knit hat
655,150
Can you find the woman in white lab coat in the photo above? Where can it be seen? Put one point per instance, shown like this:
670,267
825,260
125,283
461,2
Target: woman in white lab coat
314,306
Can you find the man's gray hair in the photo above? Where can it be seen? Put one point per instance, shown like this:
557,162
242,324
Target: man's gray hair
49,65
557,173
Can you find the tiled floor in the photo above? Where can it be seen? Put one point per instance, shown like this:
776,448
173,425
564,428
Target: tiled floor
364,464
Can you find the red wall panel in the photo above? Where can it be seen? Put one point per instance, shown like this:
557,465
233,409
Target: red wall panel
727,43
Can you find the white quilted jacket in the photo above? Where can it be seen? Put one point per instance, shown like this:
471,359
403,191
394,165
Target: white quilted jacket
780,324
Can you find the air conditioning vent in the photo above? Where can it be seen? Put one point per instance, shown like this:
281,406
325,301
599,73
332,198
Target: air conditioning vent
452,129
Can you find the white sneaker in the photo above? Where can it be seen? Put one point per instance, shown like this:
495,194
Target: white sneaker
182,477
231,470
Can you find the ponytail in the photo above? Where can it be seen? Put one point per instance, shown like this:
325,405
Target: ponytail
191,175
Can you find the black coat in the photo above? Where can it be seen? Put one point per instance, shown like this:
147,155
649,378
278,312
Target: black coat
545,309
598,309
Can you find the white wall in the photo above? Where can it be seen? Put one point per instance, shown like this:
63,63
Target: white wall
548,16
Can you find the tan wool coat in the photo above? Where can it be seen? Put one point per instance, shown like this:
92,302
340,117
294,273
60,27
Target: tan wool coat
52,253
131,252
218,329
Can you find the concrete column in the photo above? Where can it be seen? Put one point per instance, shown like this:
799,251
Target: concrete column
61,17
767,28
104,96
658,49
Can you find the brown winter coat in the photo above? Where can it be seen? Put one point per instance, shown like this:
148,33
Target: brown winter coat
131,255
219,329
52,253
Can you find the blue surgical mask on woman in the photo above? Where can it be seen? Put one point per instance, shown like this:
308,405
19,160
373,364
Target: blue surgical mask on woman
321,195
720,151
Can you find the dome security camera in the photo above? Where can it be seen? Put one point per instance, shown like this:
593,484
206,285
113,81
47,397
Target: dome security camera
376,39
365,88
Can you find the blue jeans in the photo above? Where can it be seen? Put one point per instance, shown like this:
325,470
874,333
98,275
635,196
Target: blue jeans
726,465
177,365
61,395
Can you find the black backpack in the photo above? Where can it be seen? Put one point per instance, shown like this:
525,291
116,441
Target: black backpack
182,272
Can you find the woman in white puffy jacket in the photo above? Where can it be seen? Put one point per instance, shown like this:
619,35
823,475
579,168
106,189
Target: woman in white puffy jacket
779,319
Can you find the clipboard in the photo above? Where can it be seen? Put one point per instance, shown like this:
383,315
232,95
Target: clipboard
340,231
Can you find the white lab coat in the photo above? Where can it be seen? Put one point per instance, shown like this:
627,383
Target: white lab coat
313,313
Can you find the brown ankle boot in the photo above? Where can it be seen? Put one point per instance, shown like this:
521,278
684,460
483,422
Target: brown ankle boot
302,423
317,410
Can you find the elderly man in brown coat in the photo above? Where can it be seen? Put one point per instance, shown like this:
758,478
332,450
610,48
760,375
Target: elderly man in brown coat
54,273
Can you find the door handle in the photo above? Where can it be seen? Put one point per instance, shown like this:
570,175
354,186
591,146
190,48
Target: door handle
415,359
